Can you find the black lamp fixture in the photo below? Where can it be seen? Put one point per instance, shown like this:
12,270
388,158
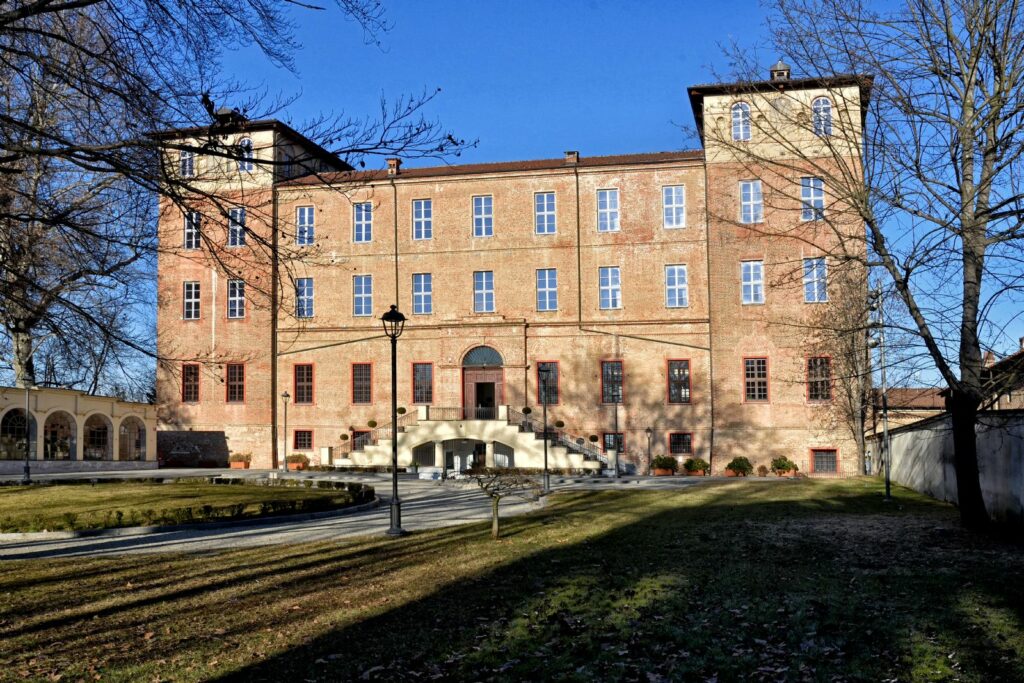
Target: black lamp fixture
544,373
394,323
649,432
284,455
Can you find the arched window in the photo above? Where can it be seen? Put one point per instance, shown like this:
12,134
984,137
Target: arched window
245,162
821,116
482,357
741,121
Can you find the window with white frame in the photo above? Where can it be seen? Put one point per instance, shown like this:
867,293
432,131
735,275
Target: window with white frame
187,163
544,213
304,297
547,289
362,295
362,222
422,219
483,291
609,287
676,293
674,206
236,227
483,216
245,155
607,210
812,199
305,227
422,294
815,280
190,309
821,115
741,122
752,277
191,240
236,298
751,202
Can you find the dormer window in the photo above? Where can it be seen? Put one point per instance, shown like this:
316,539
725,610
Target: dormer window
245,149
821,116
741,121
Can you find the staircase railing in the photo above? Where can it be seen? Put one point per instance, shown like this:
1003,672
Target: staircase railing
374,436
557,437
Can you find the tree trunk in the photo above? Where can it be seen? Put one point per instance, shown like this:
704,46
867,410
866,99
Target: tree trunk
495,522
963,410
24,367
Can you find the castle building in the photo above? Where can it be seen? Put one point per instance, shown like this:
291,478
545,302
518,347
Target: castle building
667,297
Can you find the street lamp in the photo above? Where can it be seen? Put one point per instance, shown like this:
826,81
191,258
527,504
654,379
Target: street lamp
544,372
877,323
650,433
394,323
26,476
284,455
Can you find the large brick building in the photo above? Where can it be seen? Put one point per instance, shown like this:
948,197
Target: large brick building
653,286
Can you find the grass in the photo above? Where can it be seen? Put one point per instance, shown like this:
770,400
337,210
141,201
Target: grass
84,506
803,580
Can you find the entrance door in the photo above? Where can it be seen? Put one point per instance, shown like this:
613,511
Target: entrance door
482,393
486,409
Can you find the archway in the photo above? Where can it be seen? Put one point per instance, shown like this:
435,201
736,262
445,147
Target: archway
132,439
98,438
483,383
12,435
59,436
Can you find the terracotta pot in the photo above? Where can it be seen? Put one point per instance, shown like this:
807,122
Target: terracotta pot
238,465
730,473
663,473
786,473
297,466
696,473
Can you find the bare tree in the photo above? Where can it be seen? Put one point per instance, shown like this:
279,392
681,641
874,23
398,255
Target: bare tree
502,482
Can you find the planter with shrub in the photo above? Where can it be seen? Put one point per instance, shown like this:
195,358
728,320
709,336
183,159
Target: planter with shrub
239,461
762,471
664,465
739,467
784,467
696,467
298,461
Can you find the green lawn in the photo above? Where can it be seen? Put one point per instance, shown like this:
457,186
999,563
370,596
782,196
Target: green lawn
748,580
84,506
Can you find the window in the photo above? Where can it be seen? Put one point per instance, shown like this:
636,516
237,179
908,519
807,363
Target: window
191,301
483,216
235,383
236,298
303,440
825,460
751,202
544,213
752,274
483,291
236,228
362,222
186,163
812,199
676,294
819,379
674,206
680,443
611,381
547,289
422,294
362,295
815,280
755,373
362,383
607,210
305,228
303,388
245,155
547,393
741,122
613,441
821,115
192,230
304,297
190,383
422,219
679,381
422,382
610,287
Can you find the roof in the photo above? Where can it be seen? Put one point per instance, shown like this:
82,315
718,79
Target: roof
915,398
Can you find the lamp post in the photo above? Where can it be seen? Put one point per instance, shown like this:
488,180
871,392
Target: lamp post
394,323
544,372
875,304
650,433
284,453
26,476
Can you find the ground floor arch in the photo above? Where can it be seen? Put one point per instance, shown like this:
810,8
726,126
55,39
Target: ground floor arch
60,436
13,432
98,438
131,443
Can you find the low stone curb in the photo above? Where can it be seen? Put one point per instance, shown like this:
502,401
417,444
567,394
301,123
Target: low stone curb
168,528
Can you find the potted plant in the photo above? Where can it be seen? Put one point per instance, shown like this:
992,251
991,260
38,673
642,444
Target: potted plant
559,424
784,467
400,411
299,460
739,467
762,471
372,424
664,465
696,467
239,461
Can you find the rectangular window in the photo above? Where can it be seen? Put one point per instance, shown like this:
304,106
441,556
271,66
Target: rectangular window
611,381
755,375
751,202
752,275
362,222
303,440
422,382
674,206
547,393
547,289
825,460
680,443
676,292
236,298
483,216
819,379
192,230
304,297
812,199
362,383
191,301
187,163
544,213
305,227
613,441
422,219
235,383
483,291
303,388
815,280
422,293
607,210
610,287
362,295
190,383
679,381
236,227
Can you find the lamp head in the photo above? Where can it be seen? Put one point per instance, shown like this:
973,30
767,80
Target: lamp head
648,432
394,322
285,396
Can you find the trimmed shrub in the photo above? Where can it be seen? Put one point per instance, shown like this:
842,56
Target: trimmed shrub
696,465
783,464
665,462
762,471
740,466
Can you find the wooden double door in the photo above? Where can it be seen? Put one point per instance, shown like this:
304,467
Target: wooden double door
483,390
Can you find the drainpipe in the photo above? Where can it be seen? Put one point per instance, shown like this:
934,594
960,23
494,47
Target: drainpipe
711,336
275,277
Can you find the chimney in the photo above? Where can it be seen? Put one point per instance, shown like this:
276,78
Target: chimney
572,158
780,72
394,163
1021,340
